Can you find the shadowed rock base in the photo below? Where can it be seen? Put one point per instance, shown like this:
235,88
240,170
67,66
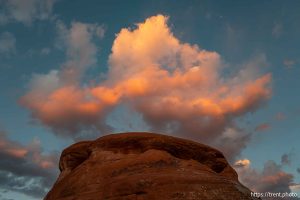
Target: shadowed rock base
145,166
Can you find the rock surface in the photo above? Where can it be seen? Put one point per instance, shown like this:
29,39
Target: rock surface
145,166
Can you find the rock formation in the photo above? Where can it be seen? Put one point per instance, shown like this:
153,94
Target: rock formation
145,166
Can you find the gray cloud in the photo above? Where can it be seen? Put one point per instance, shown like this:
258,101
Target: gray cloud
289,63
25,11
277,30
26,169
285,159
7,43
272,178
232,135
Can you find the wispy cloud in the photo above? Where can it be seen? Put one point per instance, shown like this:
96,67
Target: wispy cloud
280,116
7,44
45,51
277,30
288,63
263,127
56,98
25,11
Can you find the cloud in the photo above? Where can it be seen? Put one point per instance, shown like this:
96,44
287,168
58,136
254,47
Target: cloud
289,64
277,30
232,135
45,51
179,86
80,49
242,163
295,188
26,169
285,159
174,86
56,98
272,178
25,11
263,127
7,43
280,116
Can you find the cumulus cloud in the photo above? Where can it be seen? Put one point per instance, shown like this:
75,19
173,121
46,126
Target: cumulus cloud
174,86
25,168
25,11
56,98
7,43
272,178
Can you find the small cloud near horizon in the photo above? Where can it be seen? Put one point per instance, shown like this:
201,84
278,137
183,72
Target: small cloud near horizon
26,168
272,178
289,64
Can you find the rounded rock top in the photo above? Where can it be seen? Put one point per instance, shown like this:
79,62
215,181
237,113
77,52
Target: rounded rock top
145,166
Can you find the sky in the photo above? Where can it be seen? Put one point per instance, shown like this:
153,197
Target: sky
223,73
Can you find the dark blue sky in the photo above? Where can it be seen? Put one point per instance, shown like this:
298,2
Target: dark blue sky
263,33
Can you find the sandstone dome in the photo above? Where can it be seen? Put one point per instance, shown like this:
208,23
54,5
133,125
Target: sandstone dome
145,166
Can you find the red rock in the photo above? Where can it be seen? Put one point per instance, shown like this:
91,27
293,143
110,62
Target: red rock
145,166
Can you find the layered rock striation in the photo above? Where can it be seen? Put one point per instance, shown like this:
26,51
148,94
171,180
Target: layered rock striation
145,166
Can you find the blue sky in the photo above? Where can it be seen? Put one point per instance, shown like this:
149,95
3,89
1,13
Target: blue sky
254,38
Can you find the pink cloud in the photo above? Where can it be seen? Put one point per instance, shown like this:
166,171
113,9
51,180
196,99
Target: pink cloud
272,178
26,168
175,86
17,152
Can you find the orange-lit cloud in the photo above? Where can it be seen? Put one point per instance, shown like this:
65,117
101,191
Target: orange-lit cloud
26,168
242,163
16,152
30,152
175,86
